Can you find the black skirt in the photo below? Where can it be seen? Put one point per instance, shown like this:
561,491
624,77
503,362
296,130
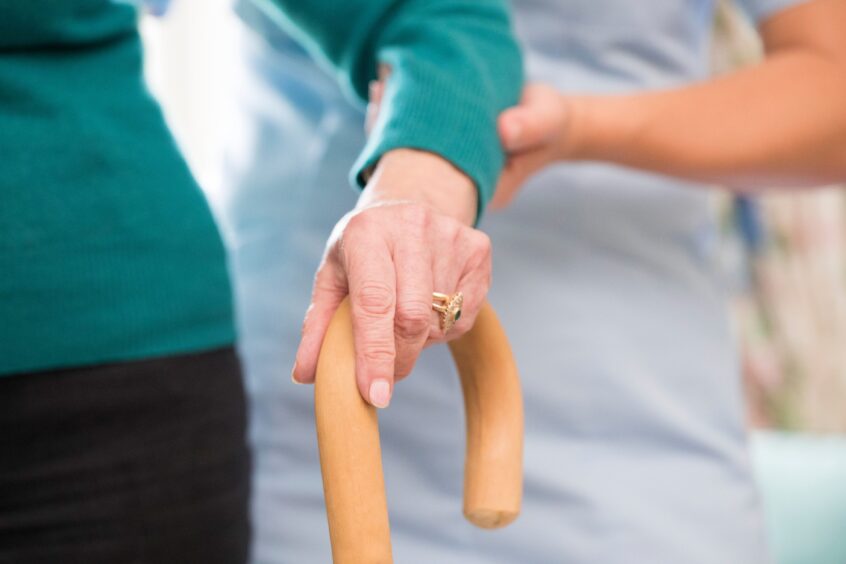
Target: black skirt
134,462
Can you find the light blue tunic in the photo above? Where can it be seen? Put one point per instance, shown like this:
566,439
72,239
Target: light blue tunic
606,279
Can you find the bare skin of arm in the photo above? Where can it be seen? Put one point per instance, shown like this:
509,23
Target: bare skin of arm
781,123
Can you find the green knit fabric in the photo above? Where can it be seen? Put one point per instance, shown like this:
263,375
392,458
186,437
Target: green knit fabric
454,67
108,251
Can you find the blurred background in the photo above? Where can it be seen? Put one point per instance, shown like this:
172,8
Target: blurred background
785,254
784,263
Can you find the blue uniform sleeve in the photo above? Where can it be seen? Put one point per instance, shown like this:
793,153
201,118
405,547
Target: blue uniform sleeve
760,10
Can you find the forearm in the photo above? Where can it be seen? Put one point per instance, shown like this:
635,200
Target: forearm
782,122
401,173
434,154
454,67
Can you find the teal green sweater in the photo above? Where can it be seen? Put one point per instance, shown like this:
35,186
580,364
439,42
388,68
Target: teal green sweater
108,251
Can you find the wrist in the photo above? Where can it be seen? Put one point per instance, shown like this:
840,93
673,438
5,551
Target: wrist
600,128
410,175
576,142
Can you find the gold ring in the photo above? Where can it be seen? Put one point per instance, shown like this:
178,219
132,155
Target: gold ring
449,307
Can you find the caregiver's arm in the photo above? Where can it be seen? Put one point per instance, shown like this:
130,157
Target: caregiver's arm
779,123
455,66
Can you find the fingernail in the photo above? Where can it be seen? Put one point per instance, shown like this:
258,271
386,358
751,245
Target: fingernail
380,393
294,371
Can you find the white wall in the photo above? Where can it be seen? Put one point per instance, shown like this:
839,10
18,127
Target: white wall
184,53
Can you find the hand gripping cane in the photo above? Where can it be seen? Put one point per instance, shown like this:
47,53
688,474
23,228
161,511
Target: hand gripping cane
350,455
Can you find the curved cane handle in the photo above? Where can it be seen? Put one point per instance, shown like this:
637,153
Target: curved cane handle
350,455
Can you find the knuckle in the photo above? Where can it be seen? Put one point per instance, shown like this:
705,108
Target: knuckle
359,219
378,354
359,222
480,253
416,217
375,298
412,319
456,232
482,242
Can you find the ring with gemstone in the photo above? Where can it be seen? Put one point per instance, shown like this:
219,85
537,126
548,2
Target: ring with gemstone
449,307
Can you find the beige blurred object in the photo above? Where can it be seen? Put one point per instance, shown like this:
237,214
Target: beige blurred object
350,455
736,42
792,322
800,282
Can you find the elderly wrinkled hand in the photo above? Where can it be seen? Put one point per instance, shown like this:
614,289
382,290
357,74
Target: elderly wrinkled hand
409,237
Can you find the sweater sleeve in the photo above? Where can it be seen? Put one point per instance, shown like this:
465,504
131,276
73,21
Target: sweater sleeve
455,66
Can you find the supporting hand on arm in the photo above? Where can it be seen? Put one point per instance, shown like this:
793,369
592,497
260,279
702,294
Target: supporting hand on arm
435,155
779,123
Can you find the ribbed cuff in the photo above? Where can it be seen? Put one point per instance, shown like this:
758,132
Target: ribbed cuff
434,115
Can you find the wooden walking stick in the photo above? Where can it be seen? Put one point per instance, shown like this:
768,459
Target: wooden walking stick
350,455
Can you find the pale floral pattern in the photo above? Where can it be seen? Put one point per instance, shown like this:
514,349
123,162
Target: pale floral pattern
791,312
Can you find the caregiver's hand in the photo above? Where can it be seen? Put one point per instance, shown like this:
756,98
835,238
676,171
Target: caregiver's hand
786,133
536,133
409,236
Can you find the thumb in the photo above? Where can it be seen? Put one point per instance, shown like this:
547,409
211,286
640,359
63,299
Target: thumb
536,120
330,289
512,134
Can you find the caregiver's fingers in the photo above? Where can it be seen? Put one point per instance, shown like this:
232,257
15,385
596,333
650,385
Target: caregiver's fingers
330,288
372,285
540,131
518,169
